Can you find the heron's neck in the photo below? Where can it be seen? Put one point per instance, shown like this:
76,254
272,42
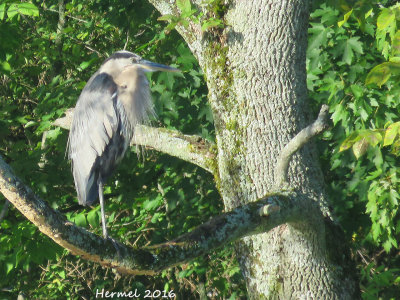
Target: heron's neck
136,101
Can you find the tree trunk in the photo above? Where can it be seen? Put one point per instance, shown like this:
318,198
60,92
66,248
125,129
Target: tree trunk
259,99
258,93
256,74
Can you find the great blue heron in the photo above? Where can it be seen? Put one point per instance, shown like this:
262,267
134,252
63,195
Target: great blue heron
115,99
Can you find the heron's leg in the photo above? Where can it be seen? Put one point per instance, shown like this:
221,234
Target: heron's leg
103,217
103,214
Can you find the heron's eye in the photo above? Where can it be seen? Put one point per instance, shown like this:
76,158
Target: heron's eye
124,86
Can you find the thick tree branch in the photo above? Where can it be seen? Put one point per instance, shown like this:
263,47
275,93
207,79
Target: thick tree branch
190,148
302,138
252,218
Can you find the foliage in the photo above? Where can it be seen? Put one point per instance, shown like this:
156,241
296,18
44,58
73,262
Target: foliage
346,47
388,42
190,14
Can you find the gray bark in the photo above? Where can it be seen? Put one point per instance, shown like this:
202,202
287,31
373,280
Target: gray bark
253,218
255,71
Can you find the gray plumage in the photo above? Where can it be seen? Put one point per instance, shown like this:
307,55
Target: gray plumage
115,99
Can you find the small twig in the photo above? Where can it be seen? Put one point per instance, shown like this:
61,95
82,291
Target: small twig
302,138
140,33
43,159
87,46
4,210
71,17
93,50
362,257
127,39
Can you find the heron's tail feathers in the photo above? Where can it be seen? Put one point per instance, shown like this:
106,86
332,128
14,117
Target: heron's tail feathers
87,189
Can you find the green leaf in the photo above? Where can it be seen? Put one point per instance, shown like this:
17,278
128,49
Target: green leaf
349,141
210,24
386,18
373,175
80,219
171,26
356,90
394,68
387,245
155,217
339,113
345,18
378,75
30,124
360,147
12,10
167,17
151,204
167,79
394,196
2,11
93,217
395,59
318,36
84,65
22,120
185,6
185,273
376,231
9,267
53,134
5,66
360,140
27,9
349,46
373,137
396,44
390,134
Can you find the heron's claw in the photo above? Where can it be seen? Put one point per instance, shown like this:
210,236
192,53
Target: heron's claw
115,243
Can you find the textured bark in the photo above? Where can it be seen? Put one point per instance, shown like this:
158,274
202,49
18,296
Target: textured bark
255,71
255,217
268,101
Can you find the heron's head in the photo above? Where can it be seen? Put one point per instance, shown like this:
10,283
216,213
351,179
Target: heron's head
120,60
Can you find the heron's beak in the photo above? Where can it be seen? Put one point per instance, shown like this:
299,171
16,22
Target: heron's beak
152,67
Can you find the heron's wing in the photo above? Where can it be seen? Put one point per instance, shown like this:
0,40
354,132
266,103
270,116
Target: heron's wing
94,125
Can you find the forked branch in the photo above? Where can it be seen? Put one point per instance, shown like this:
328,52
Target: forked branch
295,144
255,217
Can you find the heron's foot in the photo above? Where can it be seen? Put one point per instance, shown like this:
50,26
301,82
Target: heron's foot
115,243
